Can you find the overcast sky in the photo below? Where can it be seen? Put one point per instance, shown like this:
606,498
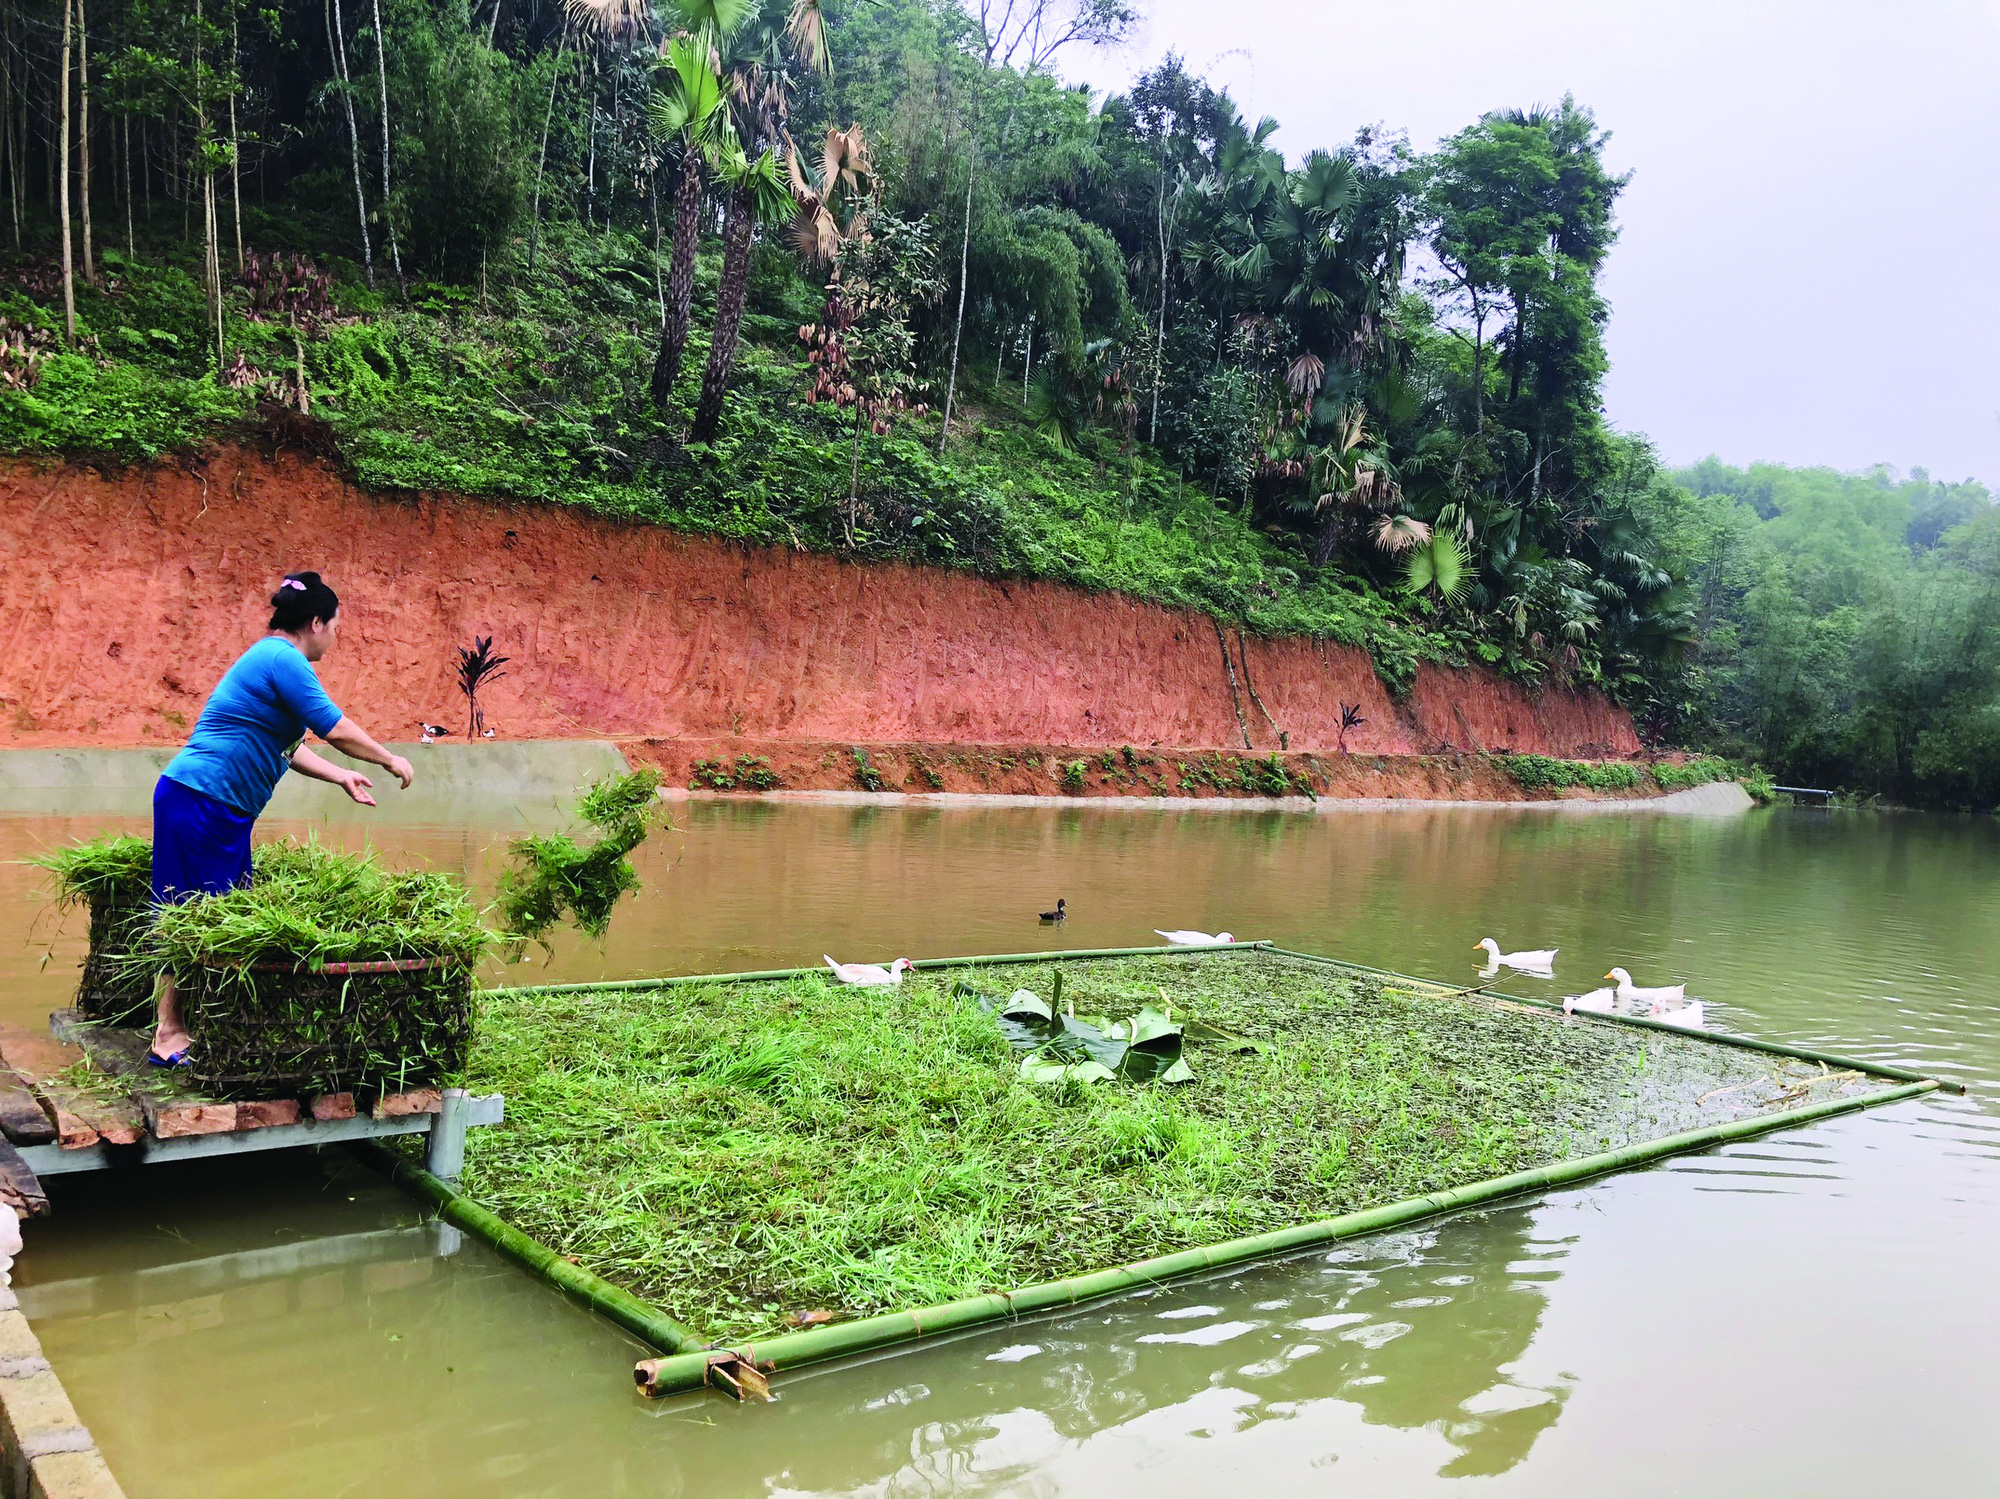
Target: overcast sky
1808,269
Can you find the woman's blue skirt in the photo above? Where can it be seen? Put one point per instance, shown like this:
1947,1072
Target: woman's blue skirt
200,846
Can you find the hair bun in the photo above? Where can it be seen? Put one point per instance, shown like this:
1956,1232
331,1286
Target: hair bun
300,599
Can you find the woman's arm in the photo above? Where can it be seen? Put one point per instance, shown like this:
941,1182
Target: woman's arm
351,739
353,782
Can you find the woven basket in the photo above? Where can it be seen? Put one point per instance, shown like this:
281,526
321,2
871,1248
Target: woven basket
111,991
270,1030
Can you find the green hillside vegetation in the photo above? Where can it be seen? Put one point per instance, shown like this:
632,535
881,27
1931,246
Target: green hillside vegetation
871,279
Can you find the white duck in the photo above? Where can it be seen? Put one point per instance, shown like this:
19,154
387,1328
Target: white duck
1690,1016
1195,939
1538,959
1597,1001
870,973
1652,999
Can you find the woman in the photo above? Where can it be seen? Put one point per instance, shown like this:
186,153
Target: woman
251,728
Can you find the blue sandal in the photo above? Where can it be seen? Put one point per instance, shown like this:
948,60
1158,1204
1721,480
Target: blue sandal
176,1059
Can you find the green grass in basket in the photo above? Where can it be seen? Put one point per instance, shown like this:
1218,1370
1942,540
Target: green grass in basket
119,867
310,904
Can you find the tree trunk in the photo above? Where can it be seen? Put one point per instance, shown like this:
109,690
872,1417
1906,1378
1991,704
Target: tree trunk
62,185
1478,370
736,230
542,159
131,238
382,83
211,234
680,279
235,153
12,141
854,475
1519,351
653,204
1160,338
83,141
964,260
336,34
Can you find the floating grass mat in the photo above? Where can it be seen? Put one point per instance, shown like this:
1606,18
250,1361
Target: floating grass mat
754,1156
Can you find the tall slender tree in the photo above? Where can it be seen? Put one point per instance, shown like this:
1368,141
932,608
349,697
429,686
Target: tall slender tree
83,141
757,198
690,115
336,36
62,191
382,84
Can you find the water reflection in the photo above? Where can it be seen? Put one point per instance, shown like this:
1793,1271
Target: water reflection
1377,1330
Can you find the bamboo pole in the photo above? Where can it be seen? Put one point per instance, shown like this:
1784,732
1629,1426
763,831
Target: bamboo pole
765,975
685,1370
647,1323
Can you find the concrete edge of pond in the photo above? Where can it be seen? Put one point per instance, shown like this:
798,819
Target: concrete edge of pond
1716,799
46,1452
120,781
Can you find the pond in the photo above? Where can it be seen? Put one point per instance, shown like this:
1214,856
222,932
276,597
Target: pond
1810,1312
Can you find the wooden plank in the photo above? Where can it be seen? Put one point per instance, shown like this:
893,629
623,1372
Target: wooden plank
333,1106
83,1115
22,1118
20,1189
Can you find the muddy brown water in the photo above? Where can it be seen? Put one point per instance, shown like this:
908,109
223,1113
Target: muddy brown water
1813,1312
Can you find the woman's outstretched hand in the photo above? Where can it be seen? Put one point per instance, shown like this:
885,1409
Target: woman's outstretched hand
356,785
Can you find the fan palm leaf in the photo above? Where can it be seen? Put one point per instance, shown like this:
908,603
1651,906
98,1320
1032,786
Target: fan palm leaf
1439,565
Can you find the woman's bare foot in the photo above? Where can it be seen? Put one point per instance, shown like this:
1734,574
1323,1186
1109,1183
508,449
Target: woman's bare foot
170,1037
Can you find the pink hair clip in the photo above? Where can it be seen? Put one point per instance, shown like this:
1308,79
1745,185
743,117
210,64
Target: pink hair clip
293,583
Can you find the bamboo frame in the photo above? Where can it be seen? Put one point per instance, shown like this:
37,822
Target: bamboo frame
689,1360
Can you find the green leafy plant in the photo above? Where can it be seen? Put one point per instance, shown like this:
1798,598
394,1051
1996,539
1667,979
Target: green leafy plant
1541,773
865,774
478,666
1072,775
750,772
555,877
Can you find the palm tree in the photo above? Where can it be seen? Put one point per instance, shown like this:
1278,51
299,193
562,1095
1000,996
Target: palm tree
828,198
760,63
689,113
757,196
1352,477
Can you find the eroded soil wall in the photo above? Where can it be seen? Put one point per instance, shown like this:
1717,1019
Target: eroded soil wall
124,596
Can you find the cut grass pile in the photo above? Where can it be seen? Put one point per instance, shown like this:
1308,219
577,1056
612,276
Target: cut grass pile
739,1153
115,868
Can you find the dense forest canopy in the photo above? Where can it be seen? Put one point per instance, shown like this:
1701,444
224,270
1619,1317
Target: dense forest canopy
869,275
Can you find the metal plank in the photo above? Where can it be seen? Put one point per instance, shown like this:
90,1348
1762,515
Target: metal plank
53,1160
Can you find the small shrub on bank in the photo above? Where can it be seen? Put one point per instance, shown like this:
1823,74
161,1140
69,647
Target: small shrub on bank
747,773
1698,771
1541,773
